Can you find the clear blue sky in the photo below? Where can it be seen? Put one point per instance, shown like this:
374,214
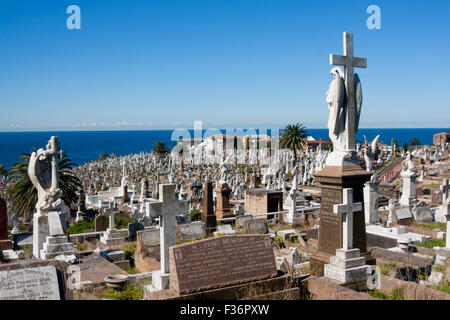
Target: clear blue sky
165,63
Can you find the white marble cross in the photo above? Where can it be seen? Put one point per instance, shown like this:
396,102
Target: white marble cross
166,209
347,208
110,212
445,187
349,62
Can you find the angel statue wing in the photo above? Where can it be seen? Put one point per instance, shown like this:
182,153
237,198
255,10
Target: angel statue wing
374,144
358,100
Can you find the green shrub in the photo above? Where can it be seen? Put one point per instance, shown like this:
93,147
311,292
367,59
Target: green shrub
397,294
130,292
432,243
378,294
80,227
278,241
195,216
122,222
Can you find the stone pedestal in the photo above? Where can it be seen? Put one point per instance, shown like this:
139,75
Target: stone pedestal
160,281
333,179
54,246
408,188
79,217
371,202
112,237
223,201
292,216
40,233
347,267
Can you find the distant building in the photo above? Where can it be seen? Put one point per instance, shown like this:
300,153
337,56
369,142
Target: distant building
441,138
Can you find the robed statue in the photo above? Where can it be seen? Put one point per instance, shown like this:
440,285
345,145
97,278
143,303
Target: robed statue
337,106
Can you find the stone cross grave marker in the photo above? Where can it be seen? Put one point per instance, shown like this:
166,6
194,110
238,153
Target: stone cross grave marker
166,209
110,212
347,208
349,62
445,187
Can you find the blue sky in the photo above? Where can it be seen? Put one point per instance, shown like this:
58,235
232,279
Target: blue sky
256,63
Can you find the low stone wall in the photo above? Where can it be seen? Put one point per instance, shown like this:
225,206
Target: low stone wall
412,291
431,233
326,289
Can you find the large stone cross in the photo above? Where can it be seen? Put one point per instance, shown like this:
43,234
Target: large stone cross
347,208
349,62
110,212
166,209
445,187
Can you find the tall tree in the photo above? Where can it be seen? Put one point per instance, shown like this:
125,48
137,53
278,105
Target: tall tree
414,142
292,137
160,149
23,195
3,171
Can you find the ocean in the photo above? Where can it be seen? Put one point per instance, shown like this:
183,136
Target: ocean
82,146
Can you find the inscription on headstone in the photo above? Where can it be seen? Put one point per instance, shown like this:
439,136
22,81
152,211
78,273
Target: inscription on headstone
39,283
330,238
221,261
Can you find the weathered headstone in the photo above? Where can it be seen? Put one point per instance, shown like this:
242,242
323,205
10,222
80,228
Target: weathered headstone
100,223
5,243
219,262
256,226
208,216
38,283
223,201
436,198
422,212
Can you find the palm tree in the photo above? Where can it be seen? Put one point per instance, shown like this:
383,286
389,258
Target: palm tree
292,137
3,171
23,195
160,149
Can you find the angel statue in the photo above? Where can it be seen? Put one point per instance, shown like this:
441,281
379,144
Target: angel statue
337,106
43,173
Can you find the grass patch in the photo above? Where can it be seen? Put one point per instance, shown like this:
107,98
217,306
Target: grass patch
432,243
396,294
130,292
439,268
80,227
122,222
130,249
28,251
431,226
444,288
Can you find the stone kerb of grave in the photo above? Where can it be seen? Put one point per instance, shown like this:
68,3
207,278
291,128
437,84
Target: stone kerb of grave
219,262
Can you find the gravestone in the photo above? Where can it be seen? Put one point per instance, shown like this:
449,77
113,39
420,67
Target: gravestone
342,169
219,262
32,281
5,243
403,216
223,201
166,209
100,223
347,266
371,201
256,226
208,216
422,212
133,228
